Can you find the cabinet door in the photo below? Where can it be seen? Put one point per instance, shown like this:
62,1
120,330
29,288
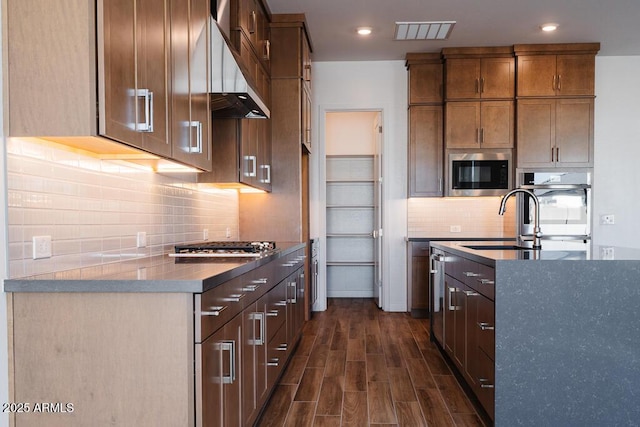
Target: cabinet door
536,75
497,128
247,19
425,83
536,132
463,78
498,78
425,151
190,102
136,49
419,276
221,371
249,151
254,380
576,75
574,132
264,154
462,122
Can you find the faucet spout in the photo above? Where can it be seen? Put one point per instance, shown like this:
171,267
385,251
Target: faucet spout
537,234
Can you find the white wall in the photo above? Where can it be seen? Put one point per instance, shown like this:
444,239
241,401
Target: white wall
4,355
367,85
616,187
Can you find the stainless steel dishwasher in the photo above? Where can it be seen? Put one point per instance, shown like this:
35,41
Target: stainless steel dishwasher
437,260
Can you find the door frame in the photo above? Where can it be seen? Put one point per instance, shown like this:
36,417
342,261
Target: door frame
319,211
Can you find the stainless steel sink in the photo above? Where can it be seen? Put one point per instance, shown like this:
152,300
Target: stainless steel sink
497,247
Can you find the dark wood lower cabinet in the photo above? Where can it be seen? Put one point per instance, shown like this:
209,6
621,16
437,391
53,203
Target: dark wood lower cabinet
469,317
242,361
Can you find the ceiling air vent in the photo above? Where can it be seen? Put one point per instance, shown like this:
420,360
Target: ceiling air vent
435,30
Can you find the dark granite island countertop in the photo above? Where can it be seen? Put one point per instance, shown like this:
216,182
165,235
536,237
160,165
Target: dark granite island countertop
160,273
567,334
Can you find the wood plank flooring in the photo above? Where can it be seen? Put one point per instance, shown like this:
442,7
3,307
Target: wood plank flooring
357,365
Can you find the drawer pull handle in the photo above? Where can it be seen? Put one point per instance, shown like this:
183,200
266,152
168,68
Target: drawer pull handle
470,293
485,383
486,326
273,362
282,347
282,303
250,288
234,297
273,313
215,310
470,274
289,264
486,282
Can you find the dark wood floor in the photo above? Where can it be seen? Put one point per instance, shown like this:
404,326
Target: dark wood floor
357,365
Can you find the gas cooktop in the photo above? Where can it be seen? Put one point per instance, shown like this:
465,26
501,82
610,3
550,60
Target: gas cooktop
224,249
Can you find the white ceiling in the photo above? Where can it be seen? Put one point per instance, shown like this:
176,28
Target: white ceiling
332,24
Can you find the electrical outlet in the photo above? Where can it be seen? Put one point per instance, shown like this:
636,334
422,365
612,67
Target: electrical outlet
607,219
607,253
205,234
141,239
41,247
455,229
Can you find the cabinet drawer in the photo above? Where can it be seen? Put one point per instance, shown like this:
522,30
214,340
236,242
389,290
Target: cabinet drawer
277,354
454,266
420,249
479,277
276,309
485,383
485,324
216,307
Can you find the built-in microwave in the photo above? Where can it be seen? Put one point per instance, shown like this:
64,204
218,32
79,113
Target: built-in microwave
479,174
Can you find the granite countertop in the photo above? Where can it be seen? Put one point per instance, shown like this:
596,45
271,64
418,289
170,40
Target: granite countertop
551,250
160,273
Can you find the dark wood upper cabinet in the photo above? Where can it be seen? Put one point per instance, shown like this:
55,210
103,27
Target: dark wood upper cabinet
556,70
479,73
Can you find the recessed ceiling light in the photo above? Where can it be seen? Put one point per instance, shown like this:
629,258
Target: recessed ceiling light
364,31
549,27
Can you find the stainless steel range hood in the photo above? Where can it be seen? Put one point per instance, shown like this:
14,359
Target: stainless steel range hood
231,95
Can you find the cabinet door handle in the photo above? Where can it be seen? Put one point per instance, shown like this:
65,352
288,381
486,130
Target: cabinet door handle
451,291
229,346
198,147
250,172
260,318
478,135
293,300
266,50
485,383
553,85
273,362
559,82
234,297
214,311
482,85
147,124
252,22
557,154
266,168
552,154
484,326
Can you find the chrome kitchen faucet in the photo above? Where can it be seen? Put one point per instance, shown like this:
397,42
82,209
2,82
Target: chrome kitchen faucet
537,234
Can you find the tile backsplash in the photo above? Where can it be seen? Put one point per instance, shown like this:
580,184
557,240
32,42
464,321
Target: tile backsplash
93,209
459,217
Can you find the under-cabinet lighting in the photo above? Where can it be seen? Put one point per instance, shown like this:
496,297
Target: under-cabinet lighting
364,31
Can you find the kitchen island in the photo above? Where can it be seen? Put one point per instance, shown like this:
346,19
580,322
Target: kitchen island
566,330
154,341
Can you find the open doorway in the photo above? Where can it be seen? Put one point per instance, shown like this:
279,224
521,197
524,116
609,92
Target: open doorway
354,189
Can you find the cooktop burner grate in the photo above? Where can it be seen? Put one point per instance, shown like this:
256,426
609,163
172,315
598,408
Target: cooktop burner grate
224,249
